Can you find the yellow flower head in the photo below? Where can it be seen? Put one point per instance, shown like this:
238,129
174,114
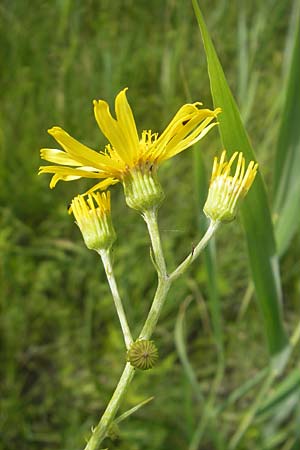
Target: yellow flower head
225,190
126,153
94,220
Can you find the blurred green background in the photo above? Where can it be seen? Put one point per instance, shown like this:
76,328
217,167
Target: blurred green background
61,346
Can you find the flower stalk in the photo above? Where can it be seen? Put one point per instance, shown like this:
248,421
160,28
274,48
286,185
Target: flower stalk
107,264
100,431
213,226
150,217
164,283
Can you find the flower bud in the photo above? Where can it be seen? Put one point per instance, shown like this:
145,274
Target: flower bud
142,354
94,220
226,191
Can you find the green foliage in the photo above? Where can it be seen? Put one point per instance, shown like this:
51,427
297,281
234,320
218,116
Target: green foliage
287,161
255,211
62,350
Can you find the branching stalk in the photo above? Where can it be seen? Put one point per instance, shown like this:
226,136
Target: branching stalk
164,284
213,226
163,287
150,217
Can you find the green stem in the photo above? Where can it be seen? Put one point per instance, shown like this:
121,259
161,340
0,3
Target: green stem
165,280
164,283
100,432
213,226
150,217
155,310
106,259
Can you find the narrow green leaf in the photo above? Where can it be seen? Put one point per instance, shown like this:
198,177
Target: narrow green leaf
289,387
182,350
255,211
287,161
132,410
242,390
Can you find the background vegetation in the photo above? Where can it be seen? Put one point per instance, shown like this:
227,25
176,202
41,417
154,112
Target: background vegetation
62,350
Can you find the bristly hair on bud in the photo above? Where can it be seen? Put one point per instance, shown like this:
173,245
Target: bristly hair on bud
226,191
142,354
94,220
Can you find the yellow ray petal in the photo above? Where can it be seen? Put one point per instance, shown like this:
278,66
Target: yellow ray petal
85,172
112,130
188,126
173,149
58,157
102,186
79,152
183,114
126,122
56,178
184,120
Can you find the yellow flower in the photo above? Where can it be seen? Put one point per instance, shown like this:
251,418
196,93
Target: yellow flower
94,220
226,191
127,153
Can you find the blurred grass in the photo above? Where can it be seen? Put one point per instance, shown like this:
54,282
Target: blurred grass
61,350
287,161
256,209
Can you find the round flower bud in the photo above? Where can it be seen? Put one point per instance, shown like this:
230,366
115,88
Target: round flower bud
142,354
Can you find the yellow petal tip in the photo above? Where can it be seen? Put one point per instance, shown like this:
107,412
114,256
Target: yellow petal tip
53,130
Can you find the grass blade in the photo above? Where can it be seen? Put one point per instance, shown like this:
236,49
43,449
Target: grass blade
289,387
182,349
255,211
287,161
